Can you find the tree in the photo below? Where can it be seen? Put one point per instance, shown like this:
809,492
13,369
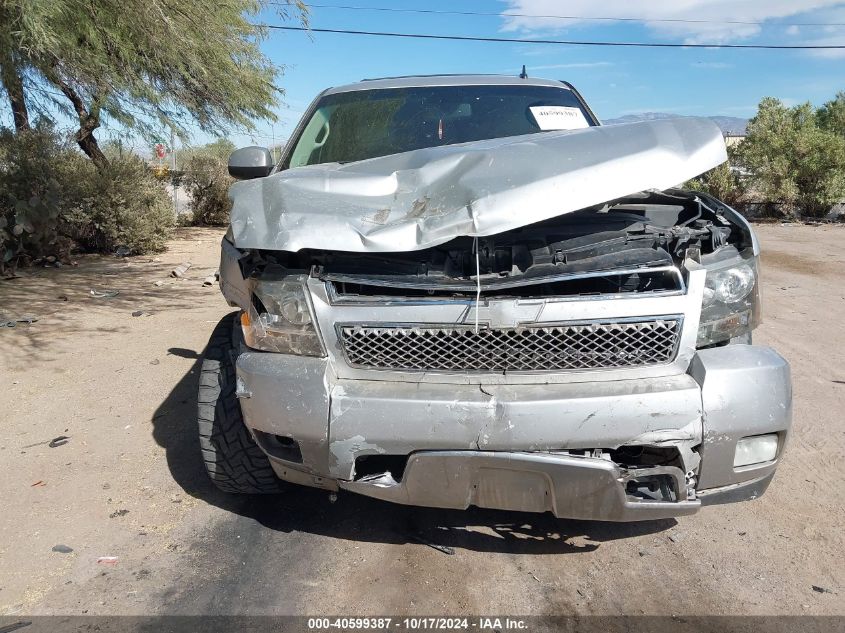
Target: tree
793,161
220,148
147,64
722,182
832,114
207,181
11,81
53,200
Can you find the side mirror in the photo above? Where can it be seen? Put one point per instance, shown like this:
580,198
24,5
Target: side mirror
250,162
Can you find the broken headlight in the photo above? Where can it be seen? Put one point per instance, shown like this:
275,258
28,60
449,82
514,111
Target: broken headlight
280,318
730,307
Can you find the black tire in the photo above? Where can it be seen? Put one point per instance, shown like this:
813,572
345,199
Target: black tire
232,458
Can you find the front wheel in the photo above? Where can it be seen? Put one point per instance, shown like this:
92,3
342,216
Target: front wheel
232,458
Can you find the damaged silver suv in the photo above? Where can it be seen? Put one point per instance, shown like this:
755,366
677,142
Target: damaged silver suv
465,291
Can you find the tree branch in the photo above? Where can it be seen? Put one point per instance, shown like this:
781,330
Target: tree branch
89,119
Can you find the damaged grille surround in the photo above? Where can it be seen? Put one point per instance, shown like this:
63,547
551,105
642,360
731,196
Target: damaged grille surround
553,347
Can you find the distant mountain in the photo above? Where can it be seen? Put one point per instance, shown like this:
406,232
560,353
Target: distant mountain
728,124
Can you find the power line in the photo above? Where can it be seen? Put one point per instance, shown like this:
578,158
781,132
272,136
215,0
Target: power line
514,40
507,14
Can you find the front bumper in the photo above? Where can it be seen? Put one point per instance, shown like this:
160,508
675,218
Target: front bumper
499,446
567,486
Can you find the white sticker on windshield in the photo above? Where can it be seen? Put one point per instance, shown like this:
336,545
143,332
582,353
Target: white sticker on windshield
559,117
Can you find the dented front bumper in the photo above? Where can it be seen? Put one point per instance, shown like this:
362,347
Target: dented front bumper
568,486
530,447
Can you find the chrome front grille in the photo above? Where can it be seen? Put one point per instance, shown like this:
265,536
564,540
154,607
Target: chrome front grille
560,347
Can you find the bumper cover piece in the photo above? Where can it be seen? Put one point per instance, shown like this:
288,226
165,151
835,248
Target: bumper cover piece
743,491
568,486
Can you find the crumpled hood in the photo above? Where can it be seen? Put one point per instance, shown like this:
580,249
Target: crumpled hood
422,198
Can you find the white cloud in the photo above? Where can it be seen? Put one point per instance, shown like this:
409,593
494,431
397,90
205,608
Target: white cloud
717,11
828,36
714,65
829,53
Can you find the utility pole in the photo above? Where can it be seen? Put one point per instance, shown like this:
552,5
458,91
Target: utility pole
173,172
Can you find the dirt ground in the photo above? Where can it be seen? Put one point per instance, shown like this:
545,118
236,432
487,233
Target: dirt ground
128,483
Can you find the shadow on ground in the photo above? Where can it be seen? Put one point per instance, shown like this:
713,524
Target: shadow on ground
66,302
354,517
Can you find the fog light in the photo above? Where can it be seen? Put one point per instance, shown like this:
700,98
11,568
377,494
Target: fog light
756,449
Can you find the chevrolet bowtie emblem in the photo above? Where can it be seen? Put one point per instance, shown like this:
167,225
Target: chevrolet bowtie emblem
500,314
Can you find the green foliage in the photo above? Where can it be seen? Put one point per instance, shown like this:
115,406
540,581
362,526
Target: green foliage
123,205
220,148
722,183
148,65
118,149
207,181
793,161
832,114
53,199
37,183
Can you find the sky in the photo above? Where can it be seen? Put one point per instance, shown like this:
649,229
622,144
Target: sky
614,81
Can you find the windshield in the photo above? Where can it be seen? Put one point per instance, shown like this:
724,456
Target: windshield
352,126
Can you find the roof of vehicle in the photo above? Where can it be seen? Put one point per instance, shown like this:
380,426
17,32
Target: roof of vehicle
445,80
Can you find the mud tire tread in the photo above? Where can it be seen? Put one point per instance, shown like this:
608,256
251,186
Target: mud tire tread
233,460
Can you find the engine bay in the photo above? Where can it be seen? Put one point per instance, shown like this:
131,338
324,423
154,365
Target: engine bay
633,244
